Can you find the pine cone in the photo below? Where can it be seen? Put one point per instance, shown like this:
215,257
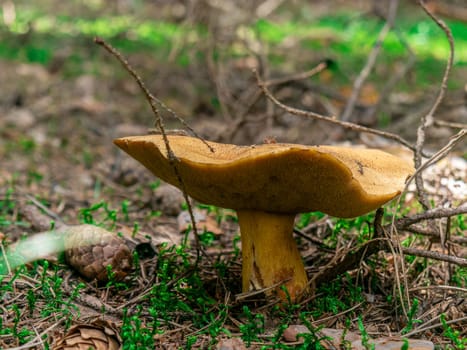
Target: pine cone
90,249
99,335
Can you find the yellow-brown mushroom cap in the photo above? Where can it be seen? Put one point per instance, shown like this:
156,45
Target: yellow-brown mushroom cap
276,178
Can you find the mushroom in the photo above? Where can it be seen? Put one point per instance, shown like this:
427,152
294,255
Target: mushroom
268,185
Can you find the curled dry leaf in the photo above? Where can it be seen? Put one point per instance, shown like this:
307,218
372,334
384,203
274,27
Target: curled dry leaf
99,335
90,249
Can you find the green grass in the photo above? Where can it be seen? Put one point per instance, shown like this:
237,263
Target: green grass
181,295
45,299
343,36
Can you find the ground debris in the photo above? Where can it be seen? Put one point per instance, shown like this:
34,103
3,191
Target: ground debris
337,339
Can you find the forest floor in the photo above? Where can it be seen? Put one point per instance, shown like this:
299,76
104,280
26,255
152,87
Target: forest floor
59,166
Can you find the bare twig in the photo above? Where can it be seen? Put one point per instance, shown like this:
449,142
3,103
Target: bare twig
336,316
423,329
351,258
249,294
298,76
443,152
435,256
314,240
393,226
436,213
441,286
153,101
427,119
450,124
333,120
253,97
365,72
37,340
433,233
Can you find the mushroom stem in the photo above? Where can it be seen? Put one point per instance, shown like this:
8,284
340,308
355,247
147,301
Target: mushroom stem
270,253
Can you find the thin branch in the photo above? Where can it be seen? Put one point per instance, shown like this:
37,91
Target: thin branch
351,258
298,76
365,72
435,256
253,97
423,329
433,233
436,213
153,101
441,286
450,124
443,152
427,119
312,239
332,120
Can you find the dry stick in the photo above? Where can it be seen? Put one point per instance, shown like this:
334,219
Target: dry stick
333,120
352,258
153,100
58,220
436,256
443,152
358,84
423,329
37,340
398,284
450,124
159,123
427,119
241,120
182,121
433,233
298,76
441,286
392,227
437,213
314,240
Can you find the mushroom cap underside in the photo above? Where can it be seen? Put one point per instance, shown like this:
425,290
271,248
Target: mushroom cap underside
278,178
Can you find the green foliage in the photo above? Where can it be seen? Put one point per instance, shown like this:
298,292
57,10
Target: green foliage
406,344
46,298
336,296
337,35
135,335
410,317
306,218
459,342
106,216
7,205
252,326
459,276
365,337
